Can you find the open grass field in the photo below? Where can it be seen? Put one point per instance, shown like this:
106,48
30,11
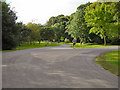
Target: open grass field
29,46
110,61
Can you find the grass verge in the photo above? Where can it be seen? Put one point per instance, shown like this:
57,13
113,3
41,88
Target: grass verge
88,45
29,46
110,61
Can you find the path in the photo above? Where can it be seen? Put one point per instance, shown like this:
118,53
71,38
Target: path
56,67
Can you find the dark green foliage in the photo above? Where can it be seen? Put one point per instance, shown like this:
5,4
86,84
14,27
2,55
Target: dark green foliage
58,23
47,33
91,23
95,39
10,34
51,21
58,19
24,33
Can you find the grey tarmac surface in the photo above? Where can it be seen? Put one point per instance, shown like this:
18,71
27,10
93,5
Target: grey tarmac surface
56,67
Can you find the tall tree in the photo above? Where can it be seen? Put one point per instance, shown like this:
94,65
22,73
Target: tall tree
100,16
10,34
59,31
58,23
77,27
117,17
24,33
35,35
51,21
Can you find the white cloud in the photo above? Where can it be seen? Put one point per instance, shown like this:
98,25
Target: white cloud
42,10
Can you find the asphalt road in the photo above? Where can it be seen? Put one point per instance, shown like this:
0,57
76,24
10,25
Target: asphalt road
56,67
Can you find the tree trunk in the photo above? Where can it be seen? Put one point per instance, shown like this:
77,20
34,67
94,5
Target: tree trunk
104,38
39,41
80,42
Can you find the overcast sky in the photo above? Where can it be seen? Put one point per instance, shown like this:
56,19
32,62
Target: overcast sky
40,11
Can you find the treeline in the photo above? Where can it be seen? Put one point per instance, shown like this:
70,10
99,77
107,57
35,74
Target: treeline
91,23
96,22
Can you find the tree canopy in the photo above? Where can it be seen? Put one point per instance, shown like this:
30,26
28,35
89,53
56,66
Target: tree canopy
77,26
10,33
96,22
100,16
47,33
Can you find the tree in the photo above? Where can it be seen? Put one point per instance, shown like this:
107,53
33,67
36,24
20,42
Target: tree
58,19
117,17
35,35
47,33
77,26
51,21
24,33
58,23
10,34
59,31
100,16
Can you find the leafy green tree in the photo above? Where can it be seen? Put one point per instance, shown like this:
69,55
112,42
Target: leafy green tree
24,33
77,26
100,16
10,34
117,18
51,21
58,23
57,19
47,33
35,35
59,31
63,19
54,20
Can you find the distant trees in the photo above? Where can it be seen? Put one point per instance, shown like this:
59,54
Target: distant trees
59,30
47,33
91,23
35,34
10,33
39,32
51,21
58,23
24,33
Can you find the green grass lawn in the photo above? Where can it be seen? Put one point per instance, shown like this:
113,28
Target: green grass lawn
110,61
28,46
88,45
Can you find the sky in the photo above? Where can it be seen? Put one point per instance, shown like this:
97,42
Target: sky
39,11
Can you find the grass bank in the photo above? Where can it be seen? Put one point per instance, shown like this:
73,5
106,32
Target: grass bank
110,61
29,46
88,45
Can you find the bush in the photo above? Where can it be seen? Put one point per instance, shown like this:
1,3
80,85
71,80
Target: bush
66,40
62,39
